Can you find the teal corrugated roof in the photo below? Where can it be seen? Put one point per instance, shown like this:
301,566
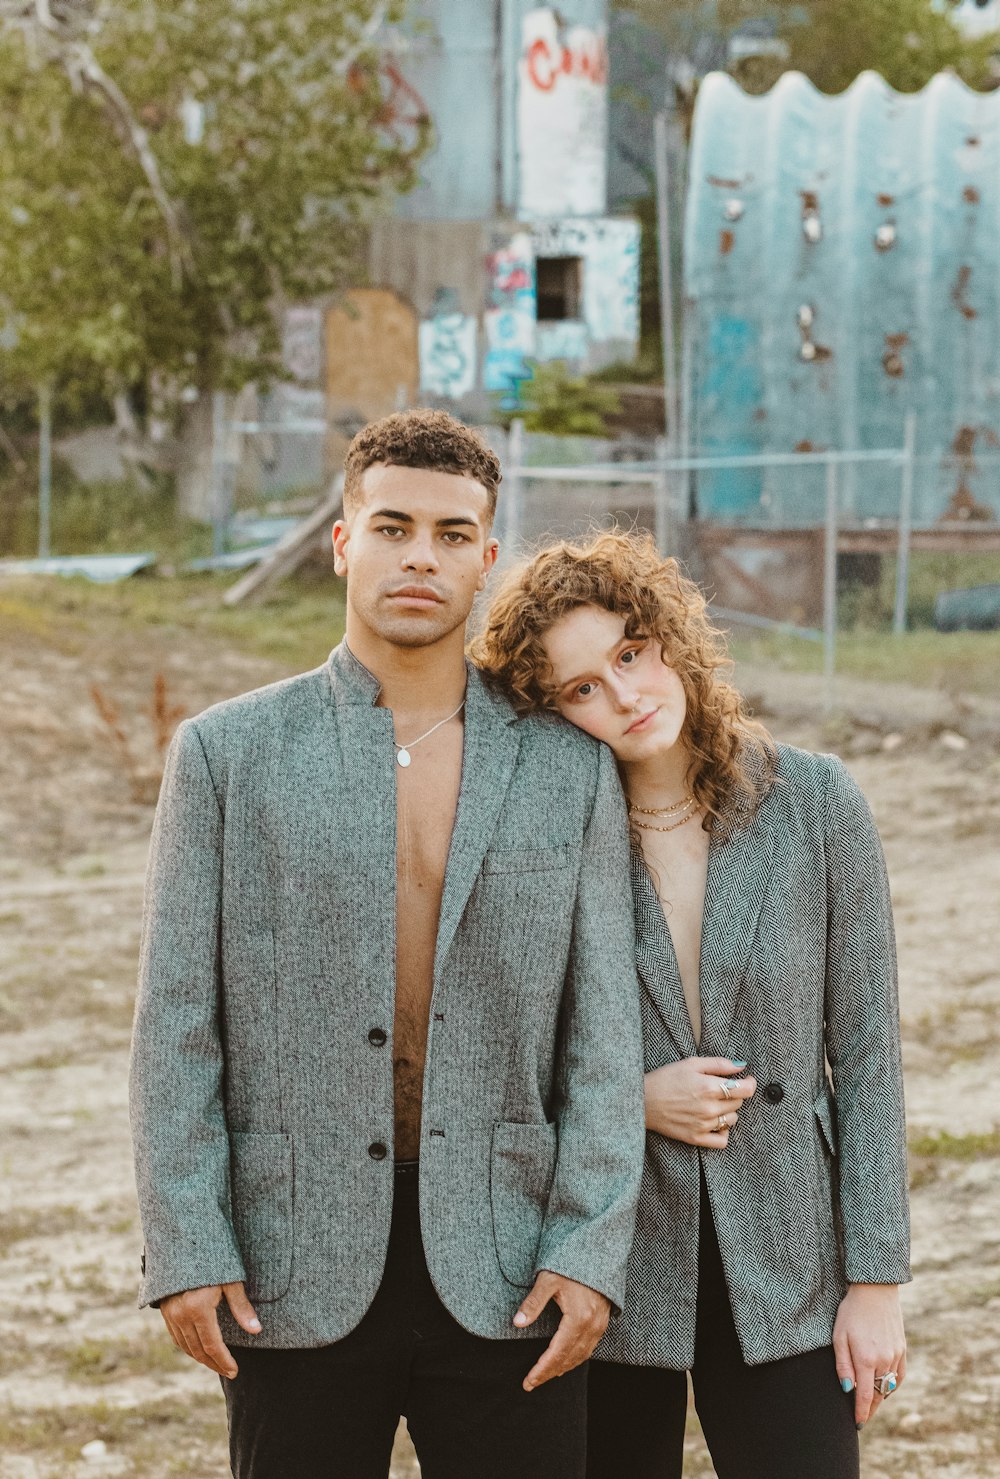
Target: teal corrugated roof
842,265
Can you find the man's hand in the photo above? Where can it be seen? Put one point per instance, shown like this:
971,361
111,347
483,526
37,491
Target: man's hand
194,1325
585,1315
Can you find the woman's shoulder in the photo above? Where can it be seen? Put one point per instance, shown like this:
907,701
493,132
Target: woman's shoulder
807,776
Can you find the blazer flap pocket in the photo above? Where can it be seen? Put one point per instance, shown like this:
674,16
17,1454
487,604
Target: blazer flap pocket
261,1172
522,1166
525,859
826,1113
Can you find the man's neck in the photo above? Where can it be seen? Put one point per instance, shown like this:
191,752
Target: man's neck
414,680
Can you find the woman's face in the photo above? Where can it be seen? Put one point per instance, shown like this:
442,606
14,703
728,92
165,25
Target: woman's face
615,687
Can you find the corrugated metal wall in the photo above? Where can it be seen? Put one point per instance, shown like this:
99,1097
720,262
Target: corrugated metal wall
842,265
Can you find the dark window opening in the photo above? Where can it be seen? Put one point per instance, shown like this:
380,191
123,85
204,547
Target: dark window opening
559,285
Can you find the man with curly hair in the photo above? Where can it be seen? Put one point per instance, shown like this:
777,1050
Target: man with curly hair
386,1078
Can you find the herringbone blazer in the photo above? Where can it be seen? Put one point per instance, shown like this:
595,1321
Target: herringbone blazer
798,979
261,1078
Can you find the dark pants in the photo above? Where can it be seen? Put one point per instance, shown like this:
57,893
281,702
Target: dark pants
331,1413
785,1419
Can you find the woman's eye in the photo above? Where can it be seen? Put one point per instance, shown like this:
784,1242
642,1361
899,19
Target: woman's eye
584,690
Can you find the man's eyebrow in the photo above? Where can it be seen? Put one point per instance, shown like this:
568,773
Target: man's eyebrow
400,518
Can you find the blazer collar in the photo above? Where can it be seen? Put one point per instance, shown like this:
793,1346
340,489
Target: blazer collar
351,683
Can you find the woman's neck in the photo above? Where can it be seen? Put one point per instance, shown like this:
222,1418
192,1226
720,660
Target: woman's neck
659,781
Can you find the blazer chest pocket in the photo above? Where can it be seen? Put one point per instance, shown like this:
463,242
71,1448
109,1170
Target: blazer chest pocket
261,1173
522,1166
526,859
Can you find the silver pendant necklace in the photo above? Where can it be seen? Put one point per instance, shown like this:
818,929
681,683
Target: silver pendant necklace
403,751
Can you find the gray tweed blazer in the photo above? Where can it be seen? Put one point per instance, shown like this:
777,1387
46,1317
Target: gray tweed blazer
261,1079
798,978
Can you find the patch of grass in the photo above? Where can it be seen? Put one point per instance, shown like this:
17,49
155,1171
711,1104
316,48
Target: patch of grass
943,1144
147,1433
297,626
111,1360
19,1224
952,662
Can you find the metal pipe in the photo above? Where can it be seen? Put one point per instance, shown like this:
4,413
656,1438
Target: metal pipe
905,525
830,587
646,472
671,413
44,471
513,474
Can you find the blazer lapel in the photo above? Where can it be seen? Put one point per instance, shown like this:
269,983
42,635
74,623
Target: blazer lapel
739,874
656,961
492,741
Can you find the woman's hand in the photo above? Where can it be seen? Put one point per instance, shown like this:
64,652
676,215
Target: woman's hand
687,1101
868,1341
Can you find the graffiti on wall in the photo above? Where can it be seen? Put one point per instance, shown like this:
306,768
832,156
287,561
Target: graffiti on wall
567,340
448,349
509,321
610,253
561,118
302,344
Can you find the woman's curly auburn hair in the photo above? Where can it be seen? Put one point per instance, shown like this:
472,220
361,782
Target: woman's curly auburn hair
733,756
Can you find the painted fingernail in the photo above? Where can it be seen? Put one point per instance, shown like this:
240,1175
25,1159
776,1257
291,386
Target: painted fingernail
859,1426
736,1063
846,1384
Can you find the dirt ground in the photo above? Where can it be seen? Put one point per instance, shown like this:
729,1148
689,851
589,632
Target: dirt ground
88,1386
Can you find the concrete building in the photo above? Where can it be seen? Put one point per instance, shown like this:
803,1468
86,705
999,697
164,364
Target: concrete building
506,252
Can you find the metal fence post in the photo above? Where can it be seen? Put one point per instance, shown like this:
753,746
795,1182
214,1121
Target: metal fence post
662,511
515,461
220,478
905,524
44,471
830,587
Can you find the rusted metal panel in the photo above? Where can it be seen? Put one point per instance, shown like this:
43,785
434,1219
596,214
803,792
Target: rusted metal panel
842,267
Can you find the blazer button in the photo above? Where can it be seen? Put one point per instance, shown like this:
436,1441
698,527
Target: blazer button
774,1093
378,1151
377,1037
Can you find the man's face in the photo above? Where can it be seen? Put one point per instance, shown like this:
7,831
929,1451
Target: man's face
415,552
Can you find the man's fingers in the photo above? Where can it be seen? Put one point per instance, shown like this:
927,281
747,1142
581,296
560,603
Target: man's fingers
212,1350
243,1311
567,1348
533,1303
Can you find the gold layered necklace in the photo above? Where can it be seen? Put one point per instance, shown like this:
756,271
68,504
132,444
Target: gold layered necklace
681,812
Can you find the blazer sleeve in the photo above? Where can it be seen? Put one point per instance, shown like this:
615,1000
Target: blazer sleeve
590,1217
862,1041
176,1109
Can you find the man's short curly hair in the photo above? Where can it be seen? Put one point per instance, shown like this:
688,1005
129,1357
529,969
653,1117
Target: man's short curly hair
421,438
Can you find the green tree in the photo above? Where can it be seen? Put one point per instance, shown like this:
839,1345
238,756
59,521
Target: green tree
831,41
171,172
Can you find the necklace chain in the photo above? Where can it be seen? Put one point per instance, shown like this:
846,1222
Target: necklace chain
403,751
649,827
663,811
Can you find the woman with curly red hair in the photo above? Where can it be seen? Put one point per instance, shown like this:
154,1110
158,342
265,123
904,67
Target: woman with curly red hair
772,1231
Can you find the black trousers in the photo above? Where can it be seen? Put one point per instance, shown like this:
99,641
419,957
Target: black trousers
331,1412
784,1419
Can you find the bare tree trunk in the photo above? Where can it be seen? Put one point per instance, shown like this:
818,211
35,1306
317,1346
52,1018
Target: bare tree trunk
194,460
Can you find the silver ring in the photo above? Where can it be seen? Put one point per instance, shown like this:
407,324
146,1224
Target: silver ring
886,1384
723,1124
726,1092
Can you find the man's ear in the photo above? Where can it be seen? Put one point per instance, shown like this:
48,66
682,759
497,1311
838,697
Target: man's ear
490,556
341,539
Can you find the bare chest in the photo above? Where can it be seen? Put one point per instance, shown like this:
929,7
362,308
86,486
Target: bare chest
679,869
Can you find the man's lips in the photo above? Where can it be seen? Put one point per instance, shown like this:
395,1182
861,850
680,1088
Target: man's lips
641,721
416,595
